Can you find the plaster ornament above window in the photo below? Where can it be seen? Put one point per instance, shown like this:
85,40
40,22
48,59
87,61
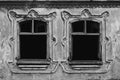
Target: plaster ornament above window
85,13
32,14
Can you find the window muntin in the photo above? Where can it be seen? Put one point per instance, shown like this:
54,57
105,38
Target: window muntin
33,45
85,46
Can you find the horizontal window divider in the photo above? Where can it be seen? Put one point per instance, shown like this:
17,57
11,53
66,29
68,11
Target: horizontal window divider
77,33
85,33
33,33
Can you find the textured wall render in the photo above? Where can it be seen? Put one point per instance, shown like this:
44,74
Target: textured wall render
7,45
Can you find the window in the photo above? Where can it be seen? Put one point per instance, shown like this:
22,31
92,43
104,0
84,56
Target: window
33,44
85,45
33,39
85,42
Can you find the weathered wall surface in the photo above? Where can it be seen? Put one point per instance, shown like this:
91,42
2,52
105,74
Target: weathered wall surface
113,48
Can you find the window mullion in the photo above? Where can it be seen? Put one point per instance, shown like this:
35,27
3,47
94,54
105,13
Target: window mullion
32,26
85,30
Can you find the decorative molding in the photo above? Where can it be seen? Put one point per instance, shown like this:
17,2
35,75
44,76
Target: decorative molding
84,14
59,4
50,69
32,14
105,14
66,15
83,69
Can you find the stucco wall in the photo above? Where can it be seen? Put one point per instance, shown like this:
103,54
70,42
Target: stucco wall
112,50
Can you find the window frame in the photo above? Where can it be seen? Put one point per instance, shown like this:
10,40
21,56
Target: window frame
44,33
80,33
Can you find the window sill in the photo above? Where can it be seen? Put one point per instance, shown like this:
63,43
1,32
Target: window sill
51,68
85,64
104,68
82,62
33,61
32,64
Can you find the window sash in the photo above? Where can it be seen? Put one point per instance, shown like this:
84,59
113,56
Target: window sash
33,33
71,33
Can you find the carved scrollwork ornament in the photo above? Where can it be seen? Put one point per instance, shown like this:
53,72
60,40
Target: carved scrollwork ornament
66,15
105,14
53,15
13,14
32,14
85,14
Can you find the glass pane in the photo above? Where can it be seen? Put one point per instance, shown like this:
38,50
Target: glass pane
33,46
85,47
78,26
92,27
40,26
26,26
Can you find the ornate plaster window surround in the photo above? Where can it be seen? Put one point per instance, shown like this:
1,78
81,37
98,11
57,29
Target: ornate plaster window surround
33,42
85,40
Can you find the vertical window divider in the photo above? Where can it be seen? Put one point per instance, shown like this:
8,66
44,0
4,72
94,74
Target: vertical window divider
32,26
85,30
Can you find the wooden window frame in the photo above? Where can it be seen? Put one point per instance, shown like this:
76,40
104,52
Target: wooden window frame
70,42
22,33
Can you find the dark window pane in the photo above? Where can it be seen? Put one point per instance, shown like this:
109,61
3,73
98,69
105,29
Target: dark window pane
26,26
85,47
78,26
40,26
92,27
33,46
